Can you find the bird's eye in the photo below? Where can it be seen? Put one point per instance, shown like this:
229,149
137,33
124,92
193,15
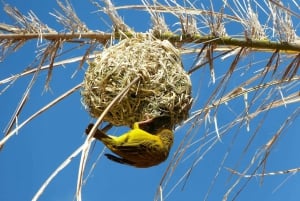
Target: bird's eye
133,95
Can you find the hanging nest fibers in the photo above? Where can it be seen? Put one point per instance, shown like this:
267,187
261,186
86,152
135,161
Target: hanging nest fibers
163,88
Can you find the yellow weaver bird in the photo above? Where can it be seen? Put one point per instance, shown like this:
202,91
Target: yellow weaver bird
137,147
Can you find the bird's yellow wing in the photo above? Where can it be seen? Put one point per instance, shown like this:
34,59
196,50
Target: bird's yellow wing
142,154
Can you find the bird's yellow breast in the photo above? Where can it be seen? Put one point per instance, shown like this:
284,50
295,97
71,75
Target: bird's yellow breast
136,136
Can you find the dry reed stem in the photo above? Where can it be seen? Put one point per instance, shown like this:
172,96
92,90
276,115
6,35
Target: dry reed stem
87,144
289,171
56,172
224,42
40,111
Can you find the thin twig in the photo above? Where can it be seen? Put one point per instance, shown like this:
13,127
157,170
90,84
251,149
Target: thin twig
87,144
46,107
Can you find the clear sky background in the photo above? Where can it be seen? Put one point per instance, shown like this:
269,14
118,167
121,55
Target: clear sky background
40,147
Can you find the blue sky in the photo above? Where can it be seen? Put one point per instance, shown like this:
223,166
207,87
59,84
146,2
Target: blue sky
41,146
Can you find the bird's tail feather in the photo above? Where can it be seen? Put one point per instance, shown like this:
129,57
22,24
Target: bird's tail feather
99,135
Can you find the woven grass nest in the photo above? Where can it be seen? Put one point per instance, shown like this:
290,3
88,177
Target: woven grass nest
163,88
